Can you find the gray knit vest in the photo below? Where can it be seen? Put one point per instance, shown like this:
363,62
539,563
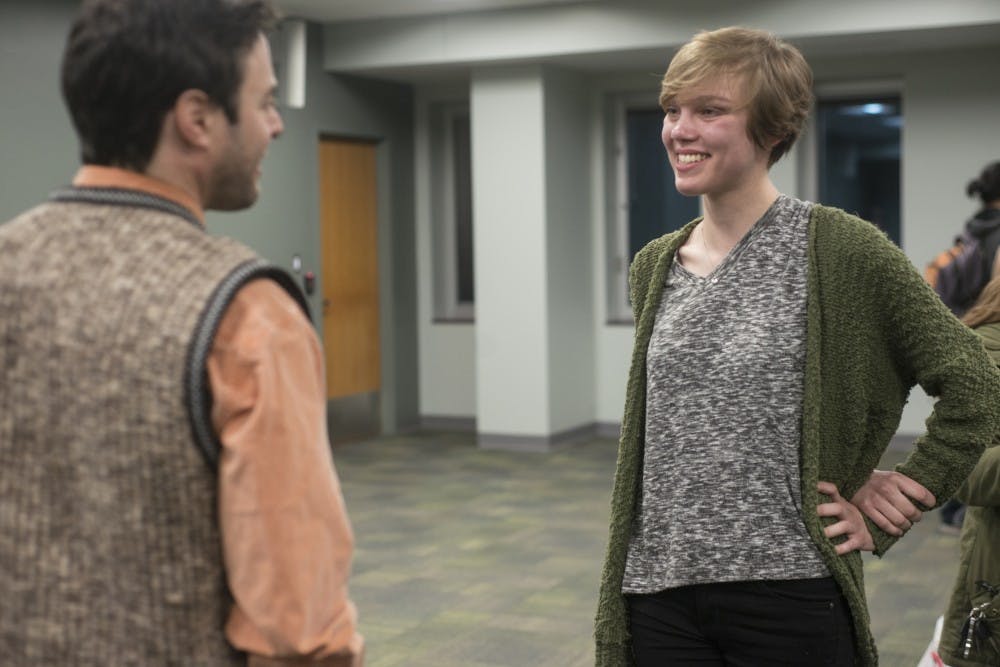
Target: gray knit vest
109,539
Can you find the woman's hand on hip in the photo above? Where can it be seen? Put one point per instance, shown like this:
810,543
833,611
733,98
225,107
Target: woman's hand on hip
888,498
850,522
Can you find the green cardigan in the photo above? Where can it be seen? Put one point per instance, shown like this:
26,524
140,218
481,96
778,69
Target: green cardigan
874,330
979,560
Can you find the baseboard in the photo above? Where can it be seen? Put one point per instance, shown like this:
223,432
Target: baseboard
537,444
449,424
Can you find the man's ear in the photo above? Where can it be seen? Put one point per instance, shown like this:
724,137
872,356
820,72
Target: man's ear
194,116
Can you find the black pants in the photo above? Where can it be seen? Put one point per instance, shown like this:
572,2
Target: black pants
743,624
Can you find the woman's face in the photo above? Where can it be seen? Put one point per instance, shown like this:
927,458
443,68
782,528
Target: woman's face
705,134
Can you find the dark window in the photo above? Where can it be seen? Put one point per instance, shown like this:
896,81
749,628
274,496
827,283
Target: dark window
462,160
859,154
449,130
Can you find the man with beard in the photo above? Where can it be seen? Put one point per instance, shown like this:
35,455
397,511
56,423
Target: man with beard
169,492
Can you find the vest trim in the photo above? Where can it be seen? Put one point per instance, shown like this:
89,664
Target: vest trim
198,393
123,197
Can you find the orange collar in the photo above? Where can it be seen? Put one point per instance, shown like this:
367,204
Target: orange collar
96,176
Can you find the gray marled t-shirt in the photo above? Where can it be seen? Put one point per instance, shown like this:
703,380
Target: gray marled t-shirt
721,497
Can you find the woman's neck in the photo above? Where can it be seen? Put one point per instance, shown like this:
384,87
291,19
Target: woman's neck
730,216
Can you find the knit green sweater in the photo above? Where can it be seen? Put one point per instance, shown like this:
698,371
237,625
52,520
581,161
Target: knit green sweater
874,330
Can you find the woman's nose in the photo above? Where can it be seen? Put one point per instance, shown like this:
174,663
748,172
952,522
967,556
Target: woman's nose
680,126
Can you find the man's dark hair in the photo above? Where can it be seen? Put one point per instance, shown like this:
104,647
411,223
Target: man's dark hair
127,61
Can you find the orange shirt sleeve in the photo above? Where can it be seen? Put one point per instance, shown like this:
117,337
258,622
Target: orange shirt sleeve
286,538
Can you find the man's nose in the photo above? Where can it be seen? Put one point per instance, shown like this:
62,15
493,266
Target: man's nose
277,125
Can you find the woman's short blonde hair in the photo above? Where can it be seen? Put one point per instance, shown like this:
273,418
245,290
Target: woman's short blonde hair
775,77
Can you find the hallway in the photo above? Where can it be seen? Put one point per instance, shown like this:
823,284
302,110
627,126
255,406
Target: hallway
476,558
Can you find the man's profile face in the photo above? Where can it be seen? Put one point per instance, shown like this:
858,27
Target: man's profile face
235,178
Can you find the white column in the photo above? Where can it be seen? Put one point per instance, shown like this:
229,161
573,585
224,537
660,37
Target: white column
534,334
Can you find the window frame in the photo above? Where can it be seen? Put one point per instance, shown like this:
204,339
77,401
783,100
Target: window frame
808,143
447,306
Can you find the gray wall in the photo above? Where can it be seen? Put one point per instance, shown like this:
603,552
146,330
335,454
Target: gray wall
40,152
37,143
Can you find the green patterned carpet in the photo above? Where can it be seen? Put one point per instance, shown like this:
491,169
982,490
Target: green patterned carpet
476,558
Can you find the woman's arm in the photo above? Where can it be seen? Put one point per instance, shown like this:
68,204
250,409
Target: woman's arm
933,349
890,498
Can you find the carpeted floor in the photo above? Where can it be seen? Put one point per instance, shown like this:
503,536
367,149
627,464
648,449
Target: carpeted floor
476,558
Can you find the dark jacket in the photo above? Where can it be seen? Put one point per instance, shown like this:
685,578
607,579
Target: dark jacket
985,225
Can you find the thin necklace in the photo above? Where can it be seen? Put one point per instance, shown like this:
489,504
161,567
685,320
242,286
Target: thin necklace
704,243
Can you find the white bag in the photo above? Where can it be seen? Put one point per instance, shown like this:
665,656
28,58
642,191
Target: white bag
931,657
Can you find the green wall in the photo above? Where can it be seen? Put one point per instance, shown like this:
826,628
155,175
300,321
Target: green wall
39,152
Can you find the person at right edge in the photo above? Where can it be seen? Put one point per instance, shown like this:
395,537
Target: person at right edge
970,636
776,343
168,491
985,226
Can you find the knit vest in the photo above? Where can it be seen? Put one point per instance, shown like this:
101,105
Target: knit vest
109,539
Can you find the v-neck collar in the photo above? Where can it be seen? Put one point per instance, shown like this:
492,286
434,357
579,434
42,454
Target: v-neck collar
762,223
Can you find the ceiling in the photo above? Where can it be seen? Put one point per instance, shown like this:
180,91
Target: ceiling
649,59
324,11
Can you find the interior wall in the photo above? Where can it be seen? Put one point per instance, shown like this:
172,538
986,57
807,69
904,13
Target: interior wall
285,221
37,143
447,350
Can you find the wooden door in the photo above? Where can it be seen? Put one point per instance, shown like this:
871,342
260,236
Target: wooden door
349,254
